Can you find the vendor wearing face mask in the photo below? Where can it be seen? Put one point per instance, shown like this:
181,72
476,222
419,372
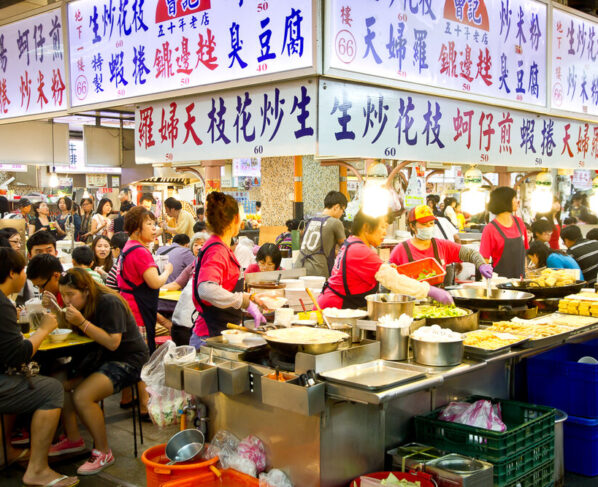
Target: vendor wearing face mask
422,245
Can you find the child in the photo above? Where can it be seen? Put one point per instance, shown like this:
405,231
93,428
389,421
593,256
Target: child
83,257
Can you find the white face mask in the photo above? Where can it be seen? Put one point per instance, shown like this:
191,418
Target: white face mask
425,233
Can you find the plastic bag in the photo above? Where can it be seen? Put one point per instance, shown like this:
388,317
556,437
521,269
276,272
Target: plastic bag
224,445
164,402
275,478
241,464
253,449
481,414
182,355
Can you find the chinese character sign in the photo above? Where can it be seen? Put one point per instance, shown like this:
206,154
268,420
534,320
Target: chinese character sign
278,120
364,121
125,48
32,74
574,63
493,48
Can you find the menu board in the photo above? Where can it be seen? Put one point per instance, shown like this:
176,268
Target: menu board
493,48
365,121
32,75
125,48
574,64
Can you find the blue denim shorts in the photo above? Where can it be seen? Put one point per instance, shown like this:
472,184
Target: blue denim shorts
120,374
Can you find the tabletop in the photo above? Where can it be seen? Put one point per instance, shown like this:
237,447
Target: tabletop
73,340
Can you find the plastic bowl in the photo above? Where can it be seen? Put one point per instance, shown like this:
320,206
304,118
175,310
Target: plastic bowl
59,335
315,282
235,337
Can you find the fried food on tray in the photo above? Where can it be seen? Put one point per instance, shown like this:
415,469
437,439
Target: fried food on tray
553,278
488,341
534,331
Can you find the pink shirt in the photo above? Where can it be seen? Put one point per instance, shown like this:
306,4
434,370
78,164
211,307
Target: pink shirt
137,262
447,251
492,244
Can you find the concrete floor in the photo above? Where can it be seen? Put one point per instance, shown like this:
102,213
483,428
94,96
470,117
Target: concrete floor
127,471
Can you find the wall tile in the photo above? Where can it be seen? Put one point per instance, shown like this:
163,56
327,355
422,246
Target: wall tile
277,183
317,182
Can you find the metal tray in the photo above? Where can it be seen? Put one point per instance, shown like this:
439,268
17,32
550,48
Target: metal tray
547,341
378,374
218,342
483,353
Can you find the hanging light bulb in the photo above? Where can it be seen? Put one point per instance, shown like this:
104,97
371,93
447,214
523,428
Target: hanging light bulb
85,194
53,178
473,199
376,197
594,198
542,196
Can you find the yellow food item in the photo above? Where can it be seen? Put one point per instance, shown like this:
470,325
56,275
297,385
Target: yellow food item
534,331
487,340
553,278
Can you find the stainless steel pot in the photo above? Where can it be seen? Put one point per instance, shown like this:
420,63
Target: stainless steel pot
352,322
393,305
394,342
437,354
185,446
460,324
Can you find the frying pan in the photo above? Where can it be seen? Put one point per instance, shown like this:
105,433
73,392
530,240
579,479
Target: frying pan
543,292
479,298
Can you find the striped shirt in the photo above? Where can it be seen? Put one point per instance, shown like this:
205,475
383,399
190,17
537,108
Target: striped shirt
585,252
111,280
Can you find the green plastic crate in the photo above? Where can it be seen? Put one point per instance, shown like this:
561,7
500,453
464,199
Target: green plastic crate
522,464
527,425
541,477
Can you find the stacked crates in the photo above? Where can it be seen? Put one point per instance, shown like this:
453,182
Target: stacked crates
522,456
556,379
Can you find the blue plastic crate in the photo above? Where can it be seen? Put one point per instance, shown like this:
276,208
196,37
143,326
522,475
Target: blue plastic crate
581,446
556,379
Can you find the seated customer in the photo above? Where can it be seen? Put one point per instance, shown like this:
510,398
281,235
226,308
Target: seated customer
268,259
543,256
542,231
117,243
40,396
44,271
83,257
585,252
41,242
104,316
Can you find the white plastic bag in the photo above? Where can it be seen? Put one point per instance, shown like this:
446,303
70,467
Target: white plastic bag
481,414
275,478
182,355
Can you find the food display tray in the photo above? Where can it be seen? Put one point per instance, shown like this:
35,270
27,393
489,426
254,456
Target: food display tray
218,342
482,353
378,374
547,341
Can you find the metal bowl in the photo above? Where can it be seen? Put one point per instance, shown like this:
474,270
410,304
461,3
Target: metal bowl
393,305
185,445
478,297
437,354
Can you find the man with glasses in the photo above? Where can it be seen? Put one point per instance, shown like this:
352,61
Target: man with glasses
44,271
41,242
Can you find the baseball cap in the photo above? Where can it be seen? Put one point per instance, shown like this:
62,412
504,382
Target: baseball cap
23,202
422,214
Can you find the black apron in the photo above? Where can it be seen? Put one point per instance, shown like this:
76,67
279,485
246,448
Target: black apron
146,299
350,301
216,318
449,278
512,261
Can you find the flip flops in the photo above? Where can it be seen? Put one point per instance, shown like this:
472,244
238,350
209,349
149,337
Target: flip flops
64,481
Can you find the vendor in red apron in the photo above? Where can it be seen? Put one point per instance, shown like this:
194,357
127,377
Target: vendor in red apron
504,240
358,270
217,285
421,224
138,277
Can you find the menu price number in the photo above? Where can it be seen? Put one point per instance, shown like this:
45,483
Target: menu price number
519,97
582,163
390,152
185,81
466,87
258,149
402,17
262,7
484,157
121,92
169,156
538,161
262,67
119,44
402,74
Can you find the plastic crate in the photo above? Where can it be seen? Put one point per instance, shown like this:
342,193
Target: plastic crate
541,477
527,425
429,264
556,379
581,446
521,464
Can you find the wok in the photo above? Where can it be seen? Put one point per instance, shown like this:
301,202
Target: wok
479,298
543,292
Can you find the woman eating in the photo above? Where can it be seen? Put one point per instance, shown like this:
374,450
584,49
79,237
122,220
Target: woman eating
86,216
543,256
423,245
42,220
102,256
138,276
102,315
268,259
358,270
504,239
13,237
217,287
100,223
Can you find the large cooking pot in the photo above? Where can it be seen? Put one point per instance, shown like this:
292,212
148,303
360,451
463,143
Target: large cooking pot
479,298
388,304
460,324
316,341
532,287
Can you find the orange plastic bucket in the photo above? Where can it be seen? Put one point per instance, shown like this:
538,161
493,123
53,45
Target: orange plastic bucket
228,478
157,472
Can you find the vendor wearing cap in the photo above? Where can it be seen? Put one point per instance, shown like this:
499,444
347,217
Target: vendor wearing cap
358,270
423,245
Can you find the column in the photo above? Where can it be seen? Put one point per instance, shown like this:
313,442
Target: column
317,182
212,168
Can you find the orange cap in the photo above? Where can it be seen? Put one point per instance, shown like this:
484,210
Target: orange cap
422,214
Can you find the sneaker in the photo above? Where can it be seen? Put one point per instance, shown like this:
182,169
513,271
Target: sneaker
20,438
64,446
96,463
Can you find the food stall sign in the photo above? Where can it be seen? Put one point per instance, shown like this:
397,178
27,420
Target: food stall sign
265,121
13,167
32,66
123,49
96,180
574,63
494,48
372,122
